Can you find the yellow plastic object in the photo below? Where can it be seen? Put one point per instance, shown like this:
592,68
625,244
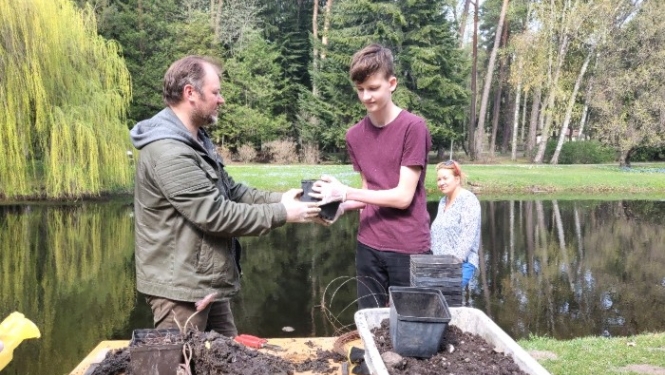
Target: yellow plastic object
13,330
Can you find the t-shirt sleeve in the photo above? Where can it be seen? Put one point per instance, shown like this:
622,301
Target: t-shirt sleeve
417,143
349,148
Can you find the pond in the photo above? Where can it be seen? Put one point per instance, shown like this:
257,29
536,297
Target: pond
563,269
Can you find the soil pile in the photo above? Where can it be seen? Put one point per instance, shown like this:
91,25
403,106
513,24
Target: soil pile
116,362
470,354
214,354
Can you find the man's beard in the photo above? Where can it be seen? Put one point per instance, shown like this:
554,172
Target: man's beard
204,119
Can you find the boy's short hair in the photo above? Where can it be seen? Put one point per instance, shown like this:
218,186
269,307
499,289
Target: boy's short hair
370,60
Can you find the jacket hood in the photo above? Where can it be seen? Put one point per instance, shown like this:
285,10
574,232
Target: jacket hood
164,125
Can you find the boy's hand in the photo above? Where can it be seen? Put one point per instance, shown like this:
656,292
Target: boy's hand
329,189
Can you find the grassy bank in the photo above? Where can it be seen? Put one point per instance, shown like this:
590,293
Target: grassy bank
641,354
492,181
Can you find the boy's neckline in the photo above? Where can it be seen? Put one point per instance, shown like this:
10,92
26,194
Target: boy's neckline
391,119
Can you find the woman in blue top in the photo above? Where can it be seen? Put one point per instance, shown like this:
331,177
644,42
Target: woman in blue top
456,229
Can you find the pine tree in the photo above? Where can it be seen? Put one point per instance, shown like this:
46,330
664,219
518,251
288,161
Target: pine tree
434,69
429,66
148,31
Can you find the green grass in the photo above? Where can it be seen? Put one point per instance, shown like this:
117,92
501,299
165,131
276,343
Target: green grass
499,181
599,355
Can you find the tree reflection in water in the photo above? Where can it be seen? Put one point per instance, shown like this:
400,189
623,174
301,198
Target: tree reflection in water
573,268
563,269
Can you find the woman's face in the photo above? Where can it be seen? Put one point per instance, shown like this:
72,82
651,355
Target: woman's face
446,180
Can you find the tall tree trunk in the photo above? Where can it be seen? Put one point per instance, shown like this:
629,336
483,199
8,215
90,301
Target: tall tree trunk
496,112
216,17
585,111
326,28
315,50
585,114
569,110
533,122
554,83
139,11
624,161
546,118
503,68
513,153
480,134
471,126
507,117
523,121
462,24
212,14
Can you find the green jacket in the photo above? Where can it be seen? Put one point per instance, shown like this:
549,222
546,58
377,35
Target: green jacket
187,211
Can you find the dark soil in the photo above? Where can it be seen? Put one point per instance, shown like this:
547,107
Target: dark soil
116,362
214,354
471,355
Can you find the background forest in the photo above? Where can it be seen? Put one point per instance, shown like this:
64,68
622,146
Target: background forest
515,77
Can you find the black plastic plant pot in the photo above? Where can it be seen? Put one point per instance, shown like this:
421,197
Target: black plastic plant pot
418,320
443,272
155,351
306,186
328,210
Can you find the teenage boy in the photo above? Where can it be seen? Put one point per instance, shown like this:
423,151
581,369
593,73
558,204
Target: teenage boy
389,149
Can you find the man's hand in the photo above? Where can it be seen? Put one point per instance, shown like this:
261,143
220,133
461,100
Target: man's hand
291,195
297,211
329,189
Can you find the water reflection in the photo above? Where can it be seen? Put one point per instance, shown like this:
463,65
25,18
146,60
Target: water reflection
563,269
66,268
573,268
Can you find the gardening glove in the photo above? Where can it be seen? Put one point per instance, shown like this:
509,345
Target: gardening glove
329,189
205,301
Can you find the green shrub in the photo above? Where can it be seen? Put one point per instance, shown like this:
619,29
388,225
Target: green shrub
549,150
648,154
584,152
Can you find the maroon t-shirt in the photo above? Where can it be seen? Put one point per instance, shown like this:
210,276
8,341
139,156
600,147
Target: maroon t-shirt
378,153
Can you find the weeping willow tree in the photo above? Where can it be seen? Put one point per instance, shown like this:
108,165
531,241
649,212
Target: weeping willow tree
63,97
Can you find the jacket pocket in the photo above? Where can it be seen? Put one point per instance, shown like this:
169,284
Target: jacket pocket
204,262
